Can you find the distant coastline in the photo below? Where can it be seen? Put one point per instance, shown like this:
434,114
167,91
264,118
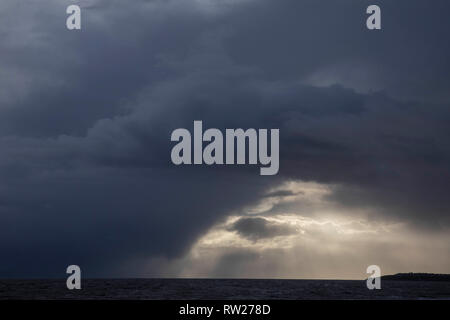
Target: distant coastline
417,277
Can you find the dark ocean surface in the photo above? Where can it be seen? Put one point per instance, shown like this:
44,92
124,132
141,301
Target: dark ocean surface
211,289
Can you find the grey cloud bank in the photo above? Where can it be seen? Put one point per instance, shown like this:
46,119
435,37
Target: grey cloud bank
233,151
85,121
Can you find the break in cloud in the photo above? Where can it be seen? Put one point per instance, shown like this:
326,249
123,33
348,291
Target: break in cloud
86,117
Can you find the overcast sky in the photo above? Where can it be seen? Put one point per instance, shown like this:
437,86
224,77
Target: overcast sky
86,118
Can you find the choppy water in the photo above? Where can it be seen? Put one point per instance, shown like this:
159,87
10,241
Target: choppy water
212,289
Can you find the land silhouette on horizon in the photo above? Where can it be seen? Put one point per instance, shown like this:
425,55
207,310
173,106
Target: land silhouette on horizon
421,276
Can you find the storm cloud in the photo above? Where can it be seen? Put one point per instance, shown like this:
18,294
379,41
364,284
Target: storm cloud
86,118
256,228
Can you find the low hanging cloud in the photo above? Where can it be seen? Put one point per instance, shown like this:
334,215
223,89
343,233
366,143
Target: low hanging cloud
258,228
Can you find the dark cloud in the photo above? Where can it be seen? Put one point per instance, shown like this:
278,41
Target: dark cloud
85,120
281,193
260,228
